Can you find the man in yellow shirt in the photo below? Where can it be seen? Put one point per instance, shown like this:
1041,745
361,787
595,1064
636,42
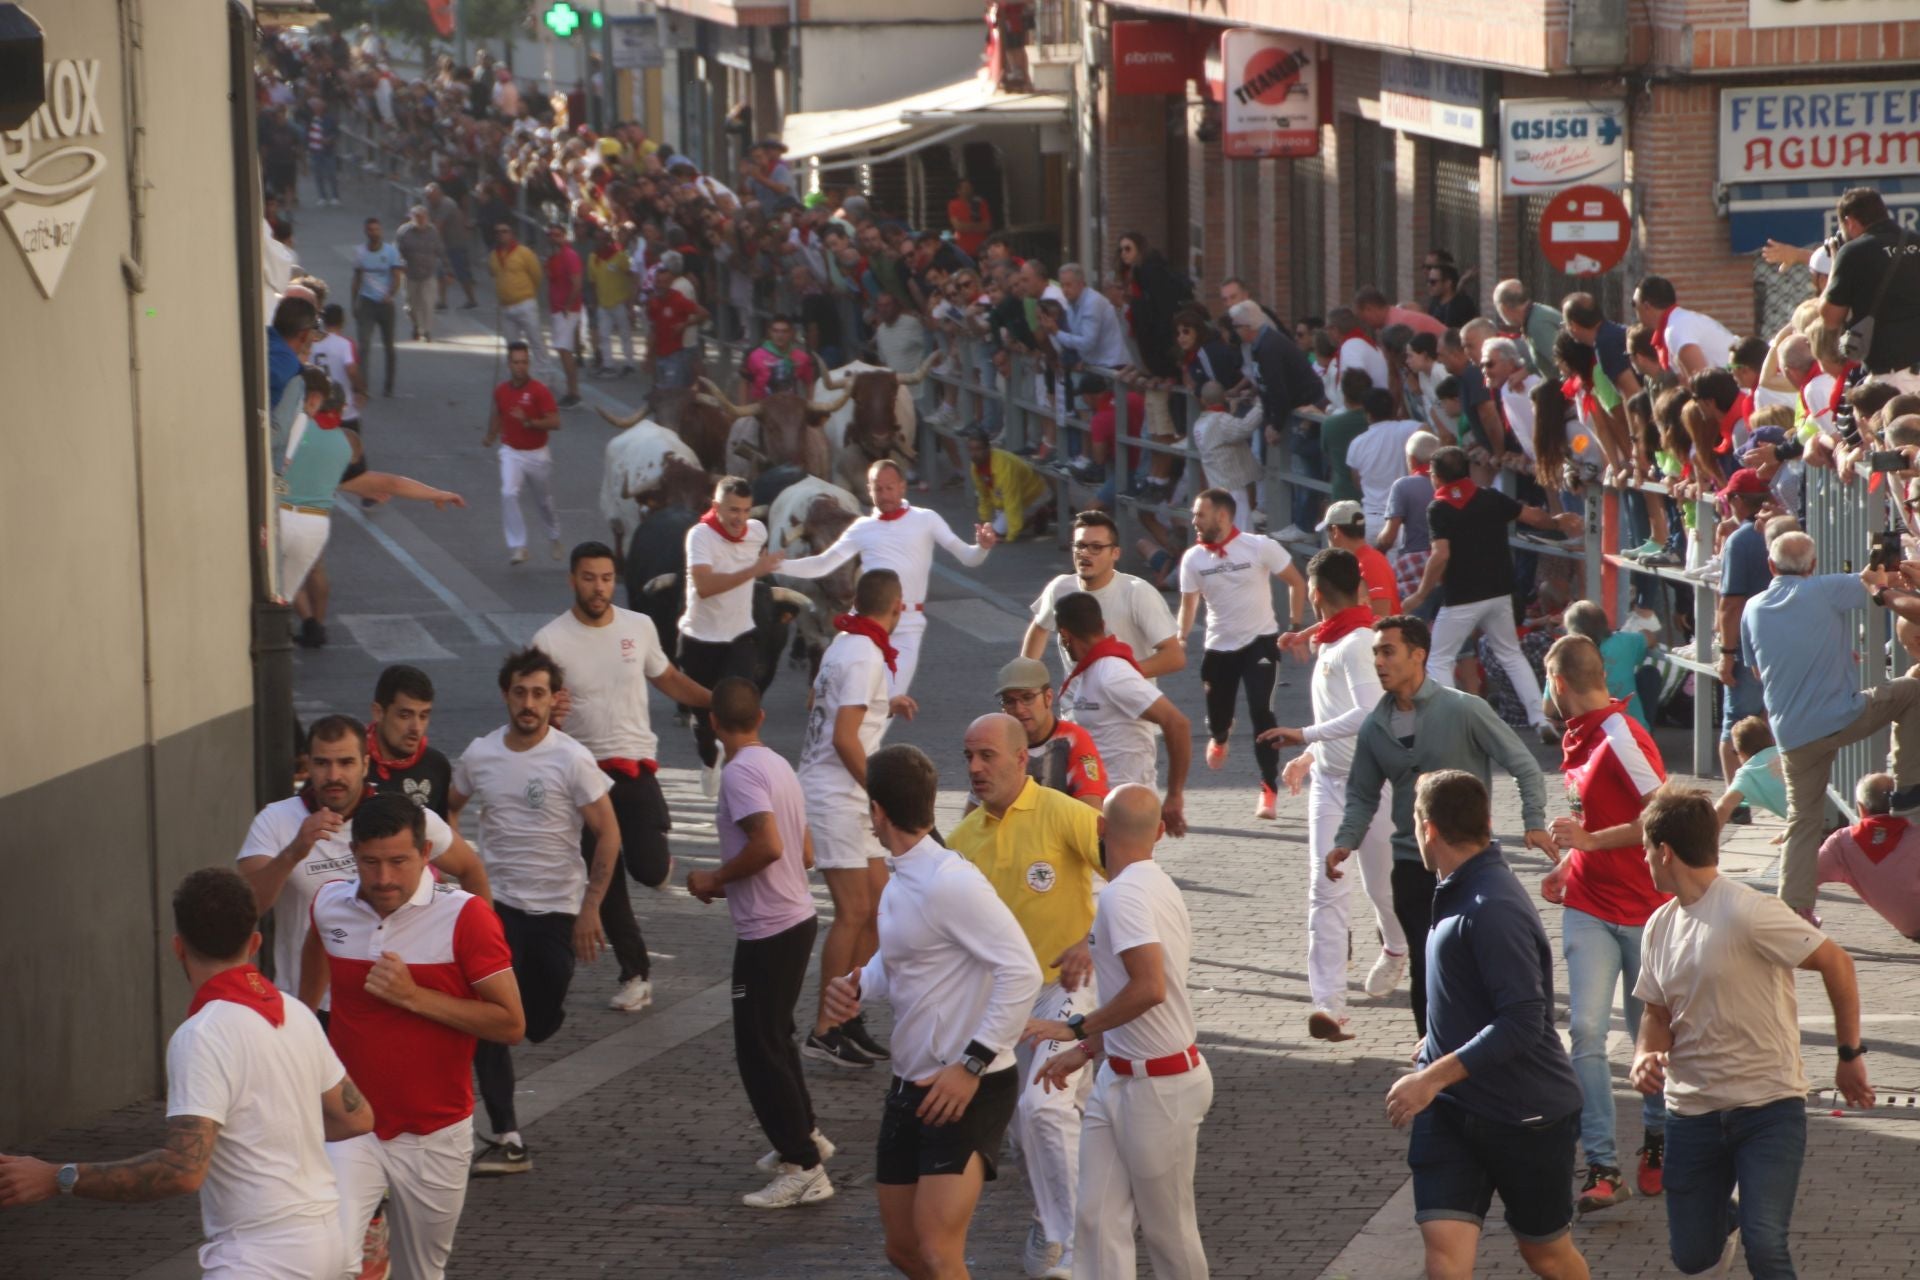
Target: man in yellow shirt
1040,849
516,286
610,271
1011,493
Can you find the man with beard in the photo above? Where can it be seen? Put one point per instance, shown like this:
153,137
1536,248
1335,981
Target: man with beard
397,740
1060,753
298,844
537,788
611,655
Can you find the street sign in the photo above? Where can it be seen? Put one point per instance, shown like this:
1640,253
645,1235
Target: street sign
1585,230
1271,101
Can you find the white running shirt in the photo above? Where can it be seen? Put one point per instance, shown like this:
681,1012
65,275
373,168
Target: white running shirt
904,545
1142,905
530,817
1345,689
717,619
1237,586
1107,700
606,669
1133,608
852,673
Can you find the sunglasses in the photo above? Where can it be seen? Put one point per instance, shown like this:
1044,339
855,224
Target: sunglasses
1095,546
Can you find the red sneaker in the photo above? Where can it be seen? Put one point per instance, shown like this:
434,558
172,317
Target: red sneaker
1604,1189
1652,1155
1263,808
1216,754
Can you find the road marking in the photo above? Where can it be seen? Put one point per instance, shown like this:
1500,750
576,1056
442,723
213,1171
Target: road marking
412,564
518,628
394,637
984,591
982,619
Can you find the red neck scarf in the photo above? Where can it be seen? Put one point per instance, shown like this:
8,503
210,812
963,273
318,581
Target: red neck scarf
1457,494
1353,618
894,514
1580,395
985,475
855,625
1422,469
1361,334
711,519
1742,410
1840,389
1877,834
385,766
243,985
1219,548
1105,647
1660,338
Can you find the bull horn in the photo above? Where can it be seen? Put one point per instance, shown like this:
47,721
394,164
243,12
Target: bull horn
830,407
623,424
826,379
750,411
662,583
791,598
750,453
919,375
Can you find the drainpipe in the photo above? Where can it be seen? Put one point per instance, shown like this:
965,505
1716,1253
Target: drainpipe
1087,136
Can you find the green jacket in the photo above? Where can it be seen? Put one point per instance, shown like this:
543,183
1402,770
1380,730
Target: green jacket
1451,730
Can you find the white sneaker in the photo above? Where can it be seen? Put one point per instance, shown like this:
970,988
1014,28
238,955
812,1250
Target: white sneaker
1041,1257
1385,974
791,1186
1294,533
710,779
771,1161
557,549
519,556
634,995
1724,1267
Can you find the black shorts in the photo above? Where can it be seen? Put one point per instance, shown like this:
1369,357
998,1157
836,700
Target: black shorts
911,1149
641,810
1460,1159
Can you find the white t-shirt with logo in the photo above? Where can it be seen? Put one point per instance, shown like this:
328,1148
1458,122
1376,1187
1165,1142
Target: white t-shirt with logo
1237,586
606,670
273,829
720,618
1139,906
852,673
530,818
334,353
261,1084
1379,456
1107,700
1134,609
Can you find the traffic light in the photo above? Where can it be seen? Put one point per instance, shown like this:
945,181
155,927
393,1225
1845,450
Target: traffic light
561,18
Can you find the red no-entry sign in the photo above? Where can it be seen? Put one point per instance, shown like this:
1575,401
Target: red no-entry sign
1585,231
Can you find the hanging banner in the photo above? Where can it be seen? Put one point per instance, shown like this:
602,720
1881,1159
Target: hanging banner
1152,57
1271,98
1550,144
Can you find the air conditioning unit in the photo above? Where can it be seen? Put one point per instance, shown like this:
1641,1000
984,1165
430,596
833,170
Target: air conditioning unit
1597,34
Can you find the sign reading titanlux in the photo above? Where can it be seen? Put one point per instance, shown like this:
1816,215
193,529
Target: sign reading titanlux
1272,102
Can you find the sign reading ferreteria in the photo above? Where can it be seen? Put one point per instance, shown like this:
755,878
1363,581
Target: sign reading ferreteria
1829,13
1270,102
1434,99
1549,144
1818,132
46,181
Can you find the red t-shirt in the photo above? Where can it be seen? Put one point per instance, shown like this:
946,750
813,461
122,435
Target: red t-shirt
563,279
417,1073
1101,425
669,312
516,405
1611,763
1378,575
959,211
1085,776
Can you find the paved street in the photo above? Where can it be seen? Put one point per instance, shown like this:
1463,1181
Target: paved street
641,1134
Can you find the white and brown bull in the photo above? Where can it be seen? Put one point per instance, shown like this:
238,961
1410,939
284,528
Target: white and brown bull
781,430
879,421
699,422
804,520
645,465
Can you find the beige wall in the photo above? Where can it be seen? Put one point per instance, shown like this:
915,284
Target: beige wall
893,11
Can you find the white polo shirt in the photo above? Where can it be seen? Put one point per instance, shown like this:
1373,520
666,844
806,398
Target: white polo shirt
717,619
852,673
1237,584
606,670
1134,610
1139,906
1107,700
273,829
261,1084
530,818
1695,329
1345,690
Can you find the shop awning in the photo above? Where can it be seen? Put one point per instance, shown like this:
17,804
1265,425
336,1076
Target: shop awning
889,130
1797,212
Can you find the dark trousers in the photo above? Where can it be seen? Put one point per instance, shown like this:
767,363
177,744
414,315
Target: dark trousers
542,947
1223,673
641,811
617,920
768,974
369,316
707,662
1413,888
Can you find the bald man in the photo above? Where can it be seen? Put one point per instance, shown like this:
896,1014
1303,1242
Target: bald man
1040,849
1142,1129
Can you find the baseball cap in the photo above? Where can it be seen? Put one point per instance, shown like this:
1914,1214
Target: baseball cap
1343,513
1744,481
1775,436
1024,673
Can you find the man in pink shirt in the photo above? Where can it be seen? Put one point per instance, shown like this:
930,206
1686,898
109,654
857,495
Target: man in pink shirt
1879,856
567,299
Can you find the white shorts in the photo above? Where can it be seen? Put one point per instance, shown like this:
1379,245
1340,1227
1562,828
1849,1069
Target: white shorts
295,1249
303,536
566,329
843,838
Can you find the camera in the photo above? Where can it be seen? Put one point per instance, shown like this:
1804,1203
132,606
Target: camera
1887,460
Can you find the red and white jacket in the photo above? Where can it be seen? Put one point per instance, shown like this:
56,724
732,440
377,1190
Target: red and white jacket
1610,764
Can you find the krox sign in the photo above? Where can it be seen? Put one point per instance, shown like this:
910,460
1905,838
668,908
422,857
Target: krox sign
47,178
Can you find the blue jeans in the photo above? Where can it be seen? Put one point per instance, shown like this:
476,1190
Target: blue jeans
674,372
1307,460
326,174
1755,1149
1599,955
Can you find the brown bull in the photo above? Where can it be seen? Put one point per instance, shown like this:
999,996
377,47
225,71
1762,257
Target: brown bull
882,424
695,419
789,429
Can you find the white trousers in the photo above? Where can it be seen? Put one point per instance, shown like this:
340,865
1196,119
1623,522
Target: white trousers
424,1179
606,321
297,1249
1137,1152
521,323
1328,922
1046,1123
303,536
1457,623
532,468
906,642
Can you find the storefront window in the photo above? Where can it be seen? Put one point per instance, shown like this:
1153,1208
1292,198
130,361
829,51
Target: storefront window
1306,237
1374,190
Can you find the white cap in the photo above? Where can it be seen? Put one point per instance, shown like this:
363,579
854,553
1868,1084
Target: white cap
1821,263
1343,513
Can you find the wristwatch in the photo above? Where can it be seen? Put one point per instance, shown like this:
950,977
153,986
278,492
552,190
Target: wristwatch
977,1058
1848,1052
69,1175
1078,1025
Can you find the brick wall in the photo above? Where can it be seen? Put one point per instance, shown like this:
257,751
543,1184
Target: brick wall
1680,232
1206,209
1133,170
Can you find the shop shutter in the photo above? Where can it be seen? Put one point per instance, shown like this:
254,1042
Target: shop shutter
1375,188
1453,213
